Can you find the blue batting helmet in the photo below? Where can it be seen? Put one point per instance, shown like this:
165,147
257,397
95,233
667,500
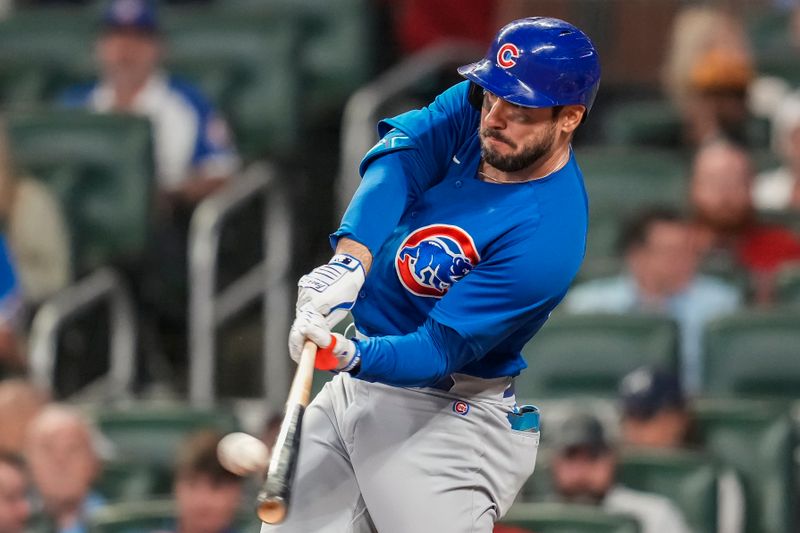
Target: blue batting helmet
539,62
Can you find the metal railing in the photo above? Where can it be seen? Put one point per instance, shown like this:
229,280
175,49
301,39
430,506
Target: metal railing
209,309
360,113
100,286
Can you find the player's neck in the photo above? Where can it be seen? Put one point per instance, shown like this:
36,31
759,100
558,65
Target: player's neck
552,162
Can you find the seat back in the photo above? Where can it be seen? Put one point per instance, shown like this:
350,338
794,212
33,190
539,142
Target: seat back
688,479
100,168
564,518
757,439
589,354
755,354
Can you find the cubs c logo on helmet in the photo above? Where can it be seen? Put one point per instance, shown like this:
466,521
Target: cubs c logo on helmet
432,258
507,54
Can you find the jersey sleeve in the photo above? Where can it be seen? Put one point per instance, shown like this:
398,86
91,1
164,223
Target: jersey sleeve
517,285
434,132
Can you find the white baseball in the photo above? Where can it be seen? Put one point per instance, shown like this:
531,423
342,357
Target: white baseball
242,454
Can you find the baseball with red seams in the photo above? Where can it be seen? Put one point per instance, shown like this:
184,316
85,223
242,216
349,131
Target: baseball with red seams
242,454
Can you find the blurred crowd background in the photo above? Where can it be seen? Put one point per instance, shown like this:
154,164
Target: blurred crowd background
169,169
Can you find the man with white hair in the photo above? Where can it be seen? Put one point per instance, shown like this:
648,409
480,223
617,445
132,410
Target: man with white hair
779,189
64,464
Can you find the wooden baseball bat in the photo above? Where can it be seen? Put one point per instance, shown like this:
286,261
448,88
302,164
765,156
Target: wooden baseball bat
275,493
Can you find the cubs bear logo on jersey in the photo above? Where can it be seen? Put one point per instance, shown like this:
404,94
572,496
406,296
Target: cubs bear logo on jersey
432,258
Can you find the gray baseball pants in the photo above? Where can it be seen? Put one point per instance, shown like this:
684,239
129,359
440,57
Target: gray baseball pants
377,458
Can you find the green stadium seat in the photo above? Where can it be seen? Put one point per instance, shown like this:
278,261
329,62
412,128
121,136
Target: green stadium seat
132,481
101,169
245,64
688,479
41,52
754,354
337,52
787,288
564,518
153,434
602,256
757,439
589,354
620,178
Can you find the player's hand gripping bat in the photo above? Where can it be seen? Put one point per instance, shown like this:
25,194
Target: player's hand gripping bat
273,499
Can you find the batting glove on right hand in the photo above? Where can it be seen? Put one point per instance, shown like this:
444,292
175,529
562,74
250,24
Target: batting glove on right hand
332,289
336,352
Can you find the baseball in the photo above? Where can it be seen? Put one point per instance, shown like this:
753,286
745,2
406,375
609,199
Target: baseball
242,454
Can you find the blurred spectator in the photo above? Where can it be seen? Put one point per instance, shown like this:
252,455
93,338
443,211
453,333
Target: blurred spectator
15,509
502,528
64,464
661,277
725,223
193,149
655,414
12,358
207,496
707,73
779,189
584,471
20,403
36,229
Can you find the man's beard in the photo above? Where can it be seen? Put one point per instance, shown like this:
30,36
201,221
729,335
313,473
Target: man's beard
529,154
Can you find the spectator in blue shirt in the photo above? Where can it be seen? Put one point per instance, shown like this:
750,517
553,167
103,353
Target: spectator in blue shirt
661,277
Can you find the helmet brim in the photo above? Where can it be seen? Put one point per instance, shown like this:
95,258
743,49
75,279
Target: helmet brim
502,83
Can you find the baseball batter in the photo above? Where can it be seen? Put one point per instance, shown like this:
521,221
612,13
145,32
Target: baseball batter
468,227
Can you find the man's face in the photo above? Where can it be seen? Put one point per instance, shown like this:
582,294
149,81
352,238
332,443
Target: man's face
667,261
583,475
128,57
515,137
205,506
63,464
14,506
665,429
720,189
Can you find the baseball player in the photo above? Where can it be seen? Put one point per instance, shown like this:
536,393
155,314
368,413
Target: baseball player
468,227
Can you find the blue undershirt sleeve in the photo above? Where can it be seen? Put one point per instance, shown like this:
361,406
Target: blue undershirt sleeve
418,359
390,183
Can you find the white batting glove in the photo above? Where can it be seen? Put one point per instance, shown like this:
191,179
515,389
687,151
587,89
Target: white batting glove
335,352
332,289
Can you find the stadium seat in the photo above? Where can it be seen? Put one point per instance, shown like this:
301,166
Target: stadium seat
245,64
100,168
589,354
619,178
131,481
153,434
602,256
41,52
563,518
688,479
756,438
787,289
755,354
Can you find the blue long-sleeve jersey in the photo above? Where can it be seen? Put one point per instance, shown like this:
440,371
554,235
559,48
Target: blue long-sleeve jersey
464,272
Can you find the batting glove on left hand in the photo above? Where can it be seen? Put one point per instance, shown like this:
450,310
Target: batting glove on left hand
335,352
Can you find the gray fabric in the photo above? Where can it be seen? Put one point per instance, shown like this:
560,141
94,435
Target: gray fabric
380,458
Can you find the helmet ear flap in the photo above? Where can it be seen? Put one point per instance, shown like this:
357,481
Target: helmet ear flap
475,95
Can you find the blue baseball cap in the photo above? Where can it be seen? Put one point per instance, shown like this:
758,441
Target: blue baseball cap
131,14
646,391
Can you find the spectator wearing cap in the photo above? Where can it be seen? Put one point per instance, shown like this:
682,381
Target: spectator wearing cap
193,150
779,189
655,415
661,277
15,509
584,471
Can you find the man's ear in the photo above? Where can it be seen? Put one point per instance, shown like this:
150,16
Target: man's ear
571,117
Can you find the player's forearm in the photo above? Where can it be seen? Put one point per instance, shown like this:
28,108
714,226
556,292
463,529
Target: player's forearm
418,359
356,249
